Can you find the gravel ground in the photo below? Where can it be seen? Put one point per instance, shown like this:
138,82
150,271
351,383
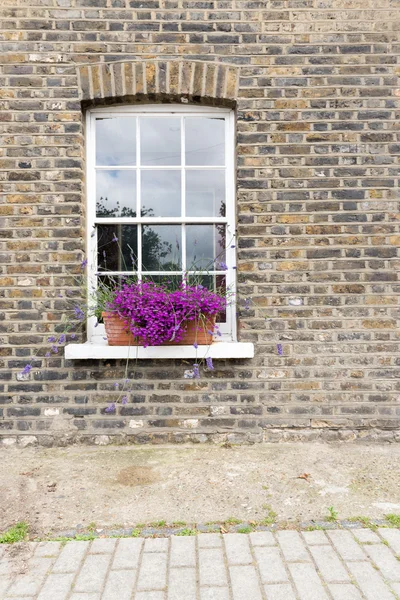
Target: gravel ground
54,489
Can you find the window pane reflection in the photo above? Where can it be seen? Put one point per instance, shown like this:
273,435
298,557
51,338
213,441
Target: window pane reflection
205,141
116,193
117,247
205,247
116,141
161,193
205,193
160,141
161,248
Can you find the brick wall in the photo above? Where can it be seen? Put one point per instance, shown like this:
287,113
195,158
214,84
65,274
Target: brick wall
318,222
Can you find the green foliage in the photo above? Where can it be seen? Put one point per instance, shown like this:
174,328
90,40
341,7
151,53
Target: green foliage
187,531
245,529
270,517
16,533
232,521
158,524
178,524
333,514
136,532
393,519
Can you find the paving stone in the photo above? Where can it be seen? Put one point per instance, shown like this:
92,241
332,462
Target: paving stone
315,538
292,546
279,591
212,567
328,563
119,585
210,540
31,582
153,571
71,557
245,583
127,553
156,545
396,588
150,596
214,593
183,551
344,591
182,584
370,581
5,567
57,586
384,559
4,584
48,549
270,565
366,536
93,573
346,545
85,597
307,582
237,549
392,536
262,538
103,546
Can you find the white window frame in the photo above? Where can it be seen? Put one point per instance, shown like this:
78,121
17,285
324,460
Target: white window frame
228,330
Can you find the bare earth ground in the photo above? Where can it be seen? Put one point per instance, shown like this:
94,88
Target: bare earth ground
55,489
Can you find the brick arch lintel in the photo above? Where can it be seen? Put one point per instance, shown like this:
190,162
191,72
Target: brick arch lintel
169,80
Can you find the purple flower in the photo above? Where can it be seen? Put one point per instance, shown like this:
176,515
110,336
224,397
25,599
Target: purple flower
47,354
279,349
233,246
54,349
209,363
110,408
73,336
157,315
222,266
115,239
124,400
62,338
26,370
195,345
247,303
196,371
116,385
79,314
51,339
84,263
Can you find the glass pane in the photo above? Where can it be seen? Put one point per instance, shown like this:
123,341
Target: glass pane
205,193
116,193
116,141
161,247
171,282
205,141
205,247
161,193
160,141
117,247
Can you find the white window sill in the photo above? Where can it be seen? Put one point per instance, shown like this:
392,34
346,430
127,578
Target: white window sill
103,351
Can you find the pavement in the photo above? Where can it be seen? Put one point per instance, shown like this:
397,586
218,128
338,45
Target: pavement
283,565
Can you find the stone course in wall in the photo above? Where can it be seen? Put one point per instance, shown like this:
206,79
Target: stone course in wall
315,86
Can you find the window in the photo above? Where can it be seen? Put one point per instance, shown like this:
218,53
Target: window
161,182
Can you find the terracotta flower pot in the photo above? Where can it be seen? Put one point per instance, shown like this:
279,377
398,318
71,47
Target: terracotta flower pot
118,334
